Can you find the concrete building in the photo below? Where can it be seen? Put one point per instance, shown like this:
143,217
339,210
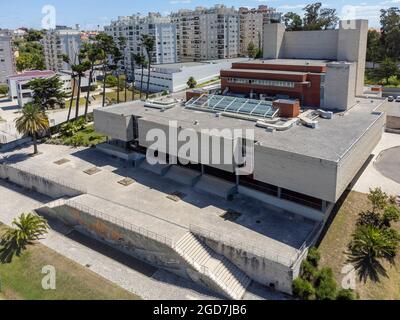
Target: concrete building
173,77
252,26
19,89
319,68
59,42
7,63
132,28
302,165
205,34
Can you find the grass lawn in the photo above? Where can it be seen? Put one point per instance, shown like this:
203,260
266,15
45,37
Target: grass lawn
87,137
22,279
335,242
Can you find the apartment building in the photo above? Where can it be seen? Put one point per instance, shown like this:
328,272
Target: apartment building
59,42
7,65
251,25
207,33
132,28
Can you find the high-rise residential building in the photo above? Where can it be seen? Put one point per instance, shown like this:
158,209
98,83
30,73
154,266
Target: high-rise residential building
7,65
251,26
132,28
207,33
62,41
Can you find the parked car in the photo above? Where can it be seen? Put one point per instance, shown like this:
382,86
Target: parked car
390,98
398,99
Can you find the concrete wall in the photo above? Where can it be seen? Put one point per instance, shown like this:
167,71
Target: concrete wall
273,39
113,125
29,180
154,252
340,86
355,159
306,175
264,271
310,45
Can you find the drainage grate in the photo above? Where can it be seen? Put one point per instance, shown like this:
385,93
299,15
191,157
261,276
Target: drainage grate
92,171
61,162
176,196
126,182
231,215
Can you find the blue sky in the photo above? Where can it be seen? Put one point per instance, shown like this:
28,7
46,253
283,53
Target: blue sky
90,13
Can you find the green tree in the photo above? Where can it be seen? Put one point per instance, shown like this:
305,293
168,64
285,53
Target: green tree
31,56
317,18
3,89
111,81
148,43
34,35
93,55
251,50
107,47
390,28
191,83
378,199
369,246
292,21
80,69
48,92
141,61
374,49
390,214
32,121
387,68
27,229
346,294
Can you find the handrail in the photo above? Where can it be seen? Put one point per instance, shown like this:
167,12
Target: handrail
275,257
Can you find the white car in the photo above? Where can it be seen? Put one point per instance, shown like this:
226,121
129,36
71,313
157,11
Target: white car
398,99
390,98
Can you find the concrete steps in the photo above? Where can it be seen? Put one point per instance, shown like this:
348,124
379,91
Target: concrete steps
160,169
221,271
184,176
216,186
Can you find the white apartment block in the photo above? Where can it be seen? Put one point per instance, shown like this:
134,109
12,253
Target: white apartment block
251,26
7,65
132,28
59,42
207,33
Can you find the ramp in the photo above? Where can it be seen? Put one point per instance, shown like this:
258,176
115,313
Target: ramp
185,176
215,186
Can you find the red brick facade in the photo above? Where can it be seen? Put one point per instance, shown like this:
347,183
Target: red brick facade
305,80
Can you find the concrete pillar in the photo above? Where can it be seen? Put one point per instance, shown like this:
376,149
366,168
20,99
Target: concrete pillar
273,40
202,169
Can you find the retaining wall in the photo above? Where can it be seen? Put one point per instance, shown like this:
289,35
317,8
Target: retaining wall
44,185
145,248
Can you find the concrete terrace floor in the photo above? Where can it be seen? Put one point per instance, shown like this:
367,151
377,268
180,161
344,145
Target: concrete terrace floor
372,177
277,233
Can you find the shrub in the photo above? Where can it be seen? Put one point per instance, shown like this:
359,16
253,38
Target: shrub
314,256
3,89
390,215
308,271
346,294
325,285
303,289
369,218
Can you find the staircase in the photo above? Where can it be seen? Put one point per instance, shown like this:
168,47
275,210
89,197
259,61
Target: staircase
229,278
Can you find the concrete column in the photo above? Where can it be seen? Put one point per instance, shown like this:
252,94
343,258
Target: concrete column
202,169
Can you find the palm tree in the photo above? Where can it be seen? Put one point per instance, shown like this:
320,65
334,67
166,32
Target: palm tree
73,78
120,57
142,62
27,229
369,246
33,121
148,42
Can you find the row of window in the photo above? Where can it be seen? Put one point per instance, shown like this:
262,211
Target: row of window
270,83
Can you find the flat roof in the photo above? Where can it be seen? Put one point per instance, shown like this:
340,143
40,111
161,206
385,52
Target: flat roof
293,62
258,71
180,65
330,141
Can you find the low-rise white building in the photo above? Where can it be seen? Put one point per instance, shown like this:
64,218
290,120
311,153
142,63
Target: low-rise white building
174,77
